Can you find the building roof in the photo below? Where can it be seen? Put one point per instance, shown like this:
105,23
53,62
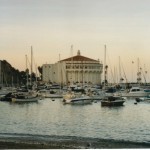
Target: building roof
78,57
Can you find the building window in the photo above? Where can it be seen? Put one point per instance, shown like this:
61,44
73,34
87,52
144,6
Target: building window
68,67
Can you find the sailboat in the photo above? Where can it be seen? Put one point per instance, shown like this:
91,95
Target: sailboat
21,98
110,99
26,95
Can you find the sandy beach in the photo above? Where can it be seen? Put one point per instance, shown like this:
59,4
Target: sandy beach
60,142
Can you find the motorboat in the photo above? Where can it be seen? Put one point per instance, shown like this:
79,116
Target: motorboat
113,101
136,92
142,99
98,95
49,94
77,99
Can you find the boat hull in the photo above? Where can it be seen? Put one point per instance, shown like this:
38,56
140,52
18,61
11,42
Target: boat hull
112,103
81,101
85,100
25,100
142,99
135,94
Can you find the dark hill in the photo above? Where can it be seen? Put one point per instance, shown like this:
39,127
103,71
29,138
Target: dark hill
9,75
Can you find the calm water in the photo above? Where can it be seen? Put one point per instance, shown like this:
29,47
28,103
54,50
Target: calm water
130,122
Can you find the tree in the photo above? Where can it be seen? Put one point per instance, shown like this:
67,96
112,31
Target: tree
40,71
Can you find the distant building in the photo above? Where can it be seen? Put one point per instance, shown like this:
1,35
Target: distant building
76,69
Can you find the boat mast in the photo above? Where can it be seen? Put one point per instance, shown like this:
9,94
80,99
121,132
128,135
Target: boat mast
104,66
60,73
138,73
27,71
114,75
36,72
72,63
120,76
31,65
59,69
144,74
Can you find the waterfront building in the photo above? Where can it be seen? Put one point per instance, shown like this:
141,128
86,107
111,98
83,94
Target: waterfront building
76,69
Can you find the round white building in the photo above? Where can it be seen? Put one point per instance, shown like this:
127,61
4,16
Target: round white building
76,69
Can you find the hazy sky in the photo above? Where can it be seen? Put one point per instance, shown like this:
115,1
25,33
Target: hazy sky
52,26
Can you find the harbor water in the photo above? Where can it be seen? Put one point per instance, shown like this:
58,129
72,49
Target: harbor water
50,117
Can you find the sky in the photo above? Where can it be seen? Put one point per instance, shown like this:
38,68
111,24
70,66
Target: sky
52,26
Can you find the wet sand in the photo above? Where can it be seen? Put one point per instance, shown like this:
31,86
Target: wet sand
60,142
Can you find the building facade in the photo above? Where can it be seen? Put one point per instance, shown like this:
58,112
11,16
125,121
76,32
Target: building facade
76,69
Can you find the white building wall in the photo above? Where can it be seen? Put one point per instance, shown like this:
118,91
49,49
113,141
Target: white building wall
61,72
48,72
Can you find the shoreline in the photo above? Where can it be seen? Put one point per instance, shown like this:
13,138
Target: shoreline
63,142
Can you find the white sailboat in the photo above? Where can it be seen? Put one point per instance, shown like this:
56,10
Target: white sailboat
25,98
26,95
109,99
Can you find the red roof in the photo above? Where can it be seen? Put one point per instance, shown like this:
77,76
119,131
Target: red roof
78,58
